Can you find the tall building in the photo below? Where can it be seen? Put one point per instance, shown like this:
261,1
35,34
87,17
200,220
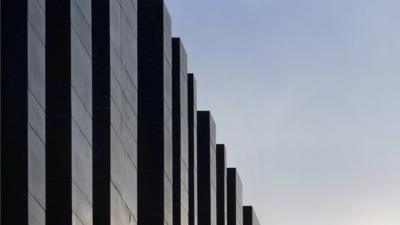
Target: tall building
68,112
249,216
206,162
234,198
99,121
114,112
192,124
23,109
221,184
180,134
154,114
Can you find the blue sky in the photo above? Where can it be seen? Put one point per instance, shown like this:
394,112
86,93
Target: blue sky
306,97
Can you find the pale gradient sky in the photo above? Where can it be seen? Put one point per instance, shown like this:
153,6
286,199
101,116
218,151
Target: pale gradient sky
306,96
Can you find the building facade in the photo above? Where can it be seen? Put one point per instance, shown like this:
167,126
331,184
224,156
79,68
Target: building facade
206,162
114,112
154,114
23,111
99,121
192,124
234,198
69,112
180,134
249,216
221,184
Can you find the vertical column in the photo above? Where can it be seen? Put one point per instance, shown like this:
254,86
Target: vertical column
68,112
234,198
192,124
114,112
221,184
249,216
23,138
206,161
154,114
180,133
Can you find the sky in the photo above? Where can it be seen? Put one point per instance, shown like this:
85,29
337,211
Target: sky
306,97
